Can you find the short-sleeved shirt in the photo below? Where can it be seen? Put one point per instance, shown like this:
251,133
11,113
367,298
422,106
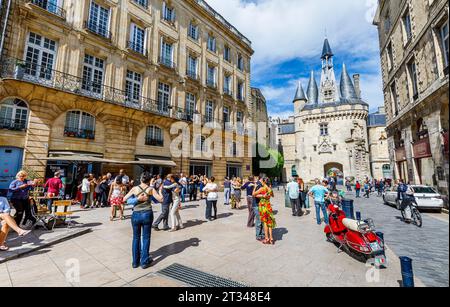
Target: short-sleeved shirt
54,185
4,206
319,193
293,190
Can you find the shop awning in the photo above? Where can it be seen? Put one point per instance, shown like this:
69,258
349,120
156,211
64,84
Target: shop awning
156,162
81,158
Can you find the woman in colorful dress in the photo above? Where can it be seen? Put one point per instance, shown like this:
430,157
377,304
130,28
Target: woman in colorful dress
116,195
265,210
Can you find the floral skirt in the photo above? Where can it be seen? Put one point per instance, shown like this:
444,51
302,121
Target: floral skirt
117,201
266,214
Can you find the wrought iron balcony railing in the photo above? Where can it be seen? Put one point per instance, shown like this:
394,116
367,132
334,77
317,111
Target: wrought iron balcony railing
79,133
13,124
154,142
37,74
137,48
50,7
97,29
166,62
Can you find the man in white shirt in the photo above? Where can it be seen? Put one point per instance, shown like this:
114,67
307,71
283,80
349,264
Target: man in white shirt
293,190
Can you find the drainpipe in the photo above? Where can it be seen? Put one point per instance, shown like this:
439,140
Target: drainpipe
2,38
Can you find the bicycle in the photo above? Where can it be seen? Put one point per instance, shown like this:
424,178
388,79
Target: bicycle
416,217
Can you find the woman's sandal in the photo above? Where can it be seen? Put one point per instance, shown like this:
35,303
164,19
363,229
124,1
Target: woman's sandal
266,242
272,242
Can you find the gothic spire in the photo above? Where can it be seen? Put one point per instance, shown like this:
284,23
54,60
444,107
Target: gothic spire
300,94
313,90
347,87
326,51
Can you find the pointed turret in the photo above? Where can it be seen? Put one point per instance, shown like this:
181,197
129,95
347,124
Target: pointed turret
326,51
347,87
300,94
313,90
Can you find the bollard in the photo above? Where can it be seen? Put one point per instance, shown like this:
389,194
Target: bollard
358,215
407,272
347,207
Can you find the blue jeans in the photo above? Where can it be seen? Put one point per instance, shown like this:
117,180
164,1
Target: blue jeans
357,193
321,205
183,194
227,195
210,205
259,228
142,230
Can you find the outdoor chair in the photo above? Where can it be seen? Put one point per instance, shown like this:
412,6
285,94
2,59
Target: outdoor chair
66,214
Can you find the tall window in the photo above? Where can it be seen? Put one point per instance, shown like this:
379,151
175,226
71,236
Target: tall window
93,71
192,67
13,114
323,129
211,76
211,43
390,56
412,70
166,53
444,42
133,86
200,143
240,62
164,97
154,136
227,54
40,56
227,86
80,125
193,31
239,117
407,26
190,105
209,116
226,116
394,100
99,20
168,13
240,91
137,39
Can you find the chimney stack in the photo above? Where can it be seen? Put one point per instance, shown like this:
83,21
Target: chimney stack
356,81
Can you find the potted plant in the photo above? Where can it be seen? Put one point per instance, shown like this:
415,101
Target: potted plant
19,69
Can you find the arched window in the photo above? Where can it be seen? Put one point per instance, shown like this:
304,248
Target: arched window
80,125
13,114
154,136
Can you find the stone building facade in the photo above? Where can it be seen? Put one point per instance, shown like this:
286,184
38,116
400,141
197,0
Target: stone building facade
106,80
380,165
259,115
414,54
331,126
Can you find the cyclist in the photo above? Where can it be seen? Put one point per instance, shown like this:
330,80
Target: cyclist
408,199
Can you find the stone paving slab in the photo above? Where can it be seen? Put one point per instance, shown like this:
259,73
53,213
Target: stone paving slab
37,240
226,248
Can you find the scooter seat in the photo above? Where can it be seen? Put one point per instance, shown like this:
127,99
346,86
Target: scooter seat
351,224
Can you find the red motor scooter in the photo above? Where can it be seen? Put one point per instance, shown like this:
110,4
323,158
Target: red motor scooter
357,238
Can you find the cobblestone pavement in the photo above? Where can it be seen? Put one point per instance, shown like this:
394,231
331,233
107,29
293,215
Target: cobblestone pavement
226,248
427,246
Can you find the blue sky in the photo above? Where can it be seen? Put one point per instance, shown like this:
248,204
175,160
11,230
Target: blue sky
288,35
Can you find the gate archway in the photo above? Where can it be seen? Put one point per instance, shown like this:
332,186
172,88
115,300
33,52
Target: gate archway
336,171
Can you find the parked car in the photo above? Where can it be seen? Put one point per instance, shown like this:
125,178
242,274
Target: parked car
426,197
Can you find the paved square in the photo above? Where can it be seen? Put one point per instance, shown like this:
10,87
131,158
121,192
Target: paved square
226,247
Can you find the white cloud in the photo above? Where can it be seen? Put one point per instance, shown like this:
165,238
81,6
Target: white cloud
283,30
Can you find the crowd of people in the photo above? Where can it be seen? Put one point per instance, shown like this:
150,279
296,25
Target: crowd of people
120,191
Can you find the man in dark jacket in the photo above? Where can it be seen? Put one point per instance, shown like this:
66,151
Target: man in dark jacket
165,206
